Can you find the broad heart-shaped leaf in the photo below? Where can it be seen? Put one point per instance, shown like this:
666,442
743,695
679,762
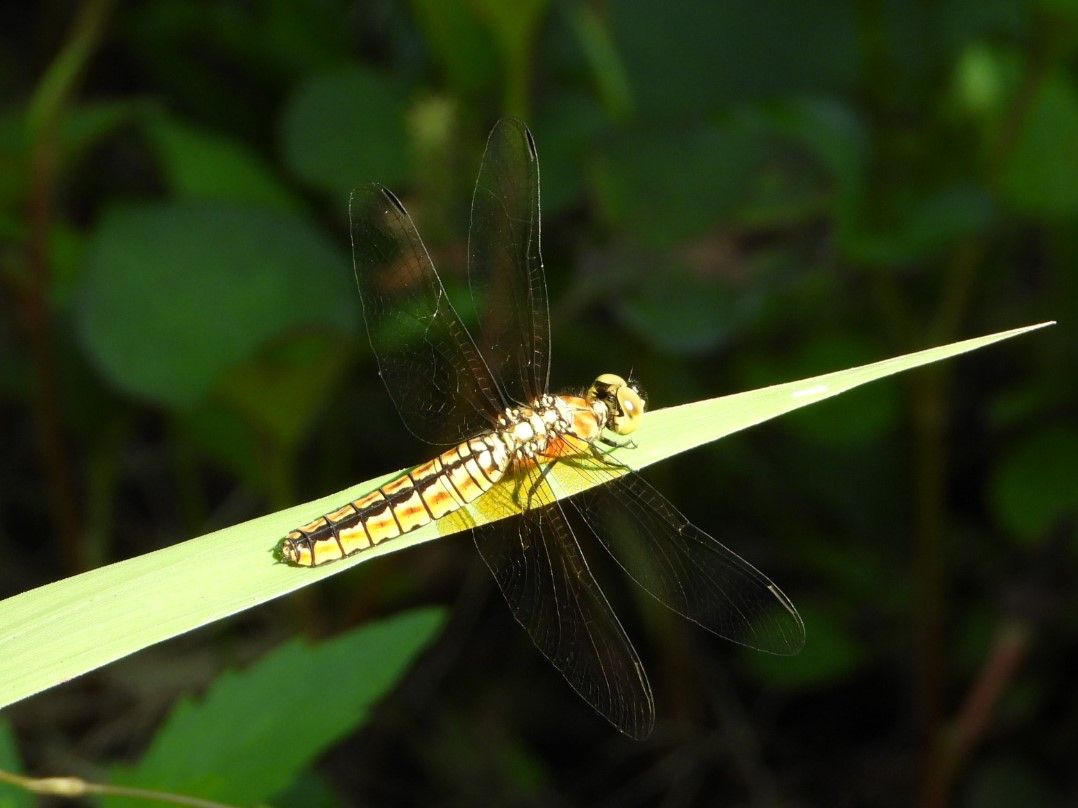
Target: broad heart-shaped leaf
280,713
61,630
329,113
174,295
205,165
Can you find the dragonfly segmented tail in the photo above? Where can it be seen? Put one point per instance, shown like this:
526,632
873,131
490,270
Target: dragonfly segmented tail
419,496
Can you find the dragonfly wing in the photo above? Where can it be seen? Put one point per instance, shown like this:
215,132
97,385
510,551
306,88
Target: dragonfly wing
505,268
682,566
545,579
433,371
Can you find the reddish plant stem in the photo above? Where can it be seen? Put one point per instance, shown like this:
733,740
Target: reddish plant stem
37,321
940,760
43,122
1008,652
1009,649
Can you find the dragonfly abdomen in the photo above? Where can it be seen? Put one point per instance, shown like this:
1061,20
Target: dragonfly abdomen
419,496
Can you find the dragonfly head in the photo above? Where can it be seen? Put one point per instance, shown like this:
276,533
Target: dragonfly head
618,403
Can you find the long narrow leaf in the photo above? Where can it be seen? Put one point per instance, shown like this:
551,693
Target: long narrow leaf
56,632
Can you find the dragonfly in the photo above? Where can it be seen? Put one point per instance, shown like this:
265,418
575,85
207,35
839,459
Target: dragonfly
482,397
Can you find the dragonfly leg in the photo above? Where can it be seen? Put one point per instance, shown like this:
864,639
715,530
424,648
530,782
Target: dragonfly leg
613,444
546,469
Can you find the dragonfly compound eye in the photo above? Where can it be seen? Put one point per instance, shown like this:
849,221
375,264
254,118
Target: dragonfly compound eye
629,411
623,400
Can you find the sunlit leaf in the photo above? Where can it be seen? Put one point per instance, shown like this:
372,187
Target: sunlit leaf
848,421
58,631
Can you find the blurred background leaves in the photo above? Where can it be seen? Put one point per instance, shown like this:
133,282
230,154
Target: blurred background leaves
735,194
272,734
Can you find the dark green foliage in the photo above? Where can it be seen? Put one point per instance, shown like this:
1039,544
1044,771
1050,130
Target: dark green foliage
255,730
156,276
342,124
11,797
201,164
1033,490
736,194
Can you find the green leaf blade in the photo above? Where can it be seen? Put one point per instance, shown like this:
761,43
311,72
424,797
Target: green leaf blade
64,629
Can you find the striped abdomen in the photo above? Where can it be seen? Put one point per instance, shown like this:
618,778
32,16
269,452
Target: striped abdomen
419,496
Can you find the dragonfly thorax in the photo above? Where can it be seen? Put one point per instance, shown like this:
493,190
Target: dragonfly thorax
528,431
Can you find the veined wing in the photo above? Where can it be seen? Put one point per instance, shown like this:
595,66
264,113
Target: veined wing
545,579
682,566
434,373
505,268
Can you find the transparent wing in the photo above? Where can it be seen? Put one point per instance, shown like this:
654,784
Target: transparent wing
505,268
433,371
682,566
545,579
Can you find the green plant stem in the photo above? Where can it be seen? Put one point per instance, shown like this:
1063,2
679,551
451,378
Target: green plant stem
76,788
608,72
1043,55
103,478
930,415
43,121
